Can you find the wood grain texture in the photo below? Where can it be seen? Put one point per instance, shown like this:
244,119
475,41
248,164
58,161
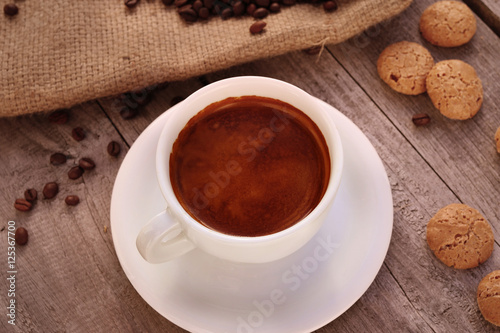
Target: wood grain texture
70,279
488,11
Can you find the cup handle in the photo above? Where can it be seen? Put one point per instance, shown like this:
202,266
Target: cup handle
162,239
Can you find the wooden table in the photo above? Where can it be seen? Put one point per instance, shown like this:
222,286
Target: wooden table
68,276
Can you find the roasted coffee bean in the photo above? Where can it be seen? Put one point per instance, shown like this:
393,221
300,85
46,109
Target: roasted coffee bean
197,5
50,190
274,7
188,13
260,13
257,27
288,2
131,3
57,159
113,148
86,163
21,236
10,9
226,13
30,194
23,205
75,172
167,2
263,3
238,8
72,200
59,117
204,13
78,134
208,3
180,3
330,6
421,119
251,9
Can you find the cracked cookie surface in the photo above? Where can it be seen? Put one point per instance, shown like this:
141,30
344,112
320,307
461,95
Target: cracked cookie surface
448,24
460,236
488,297
404,67
455,89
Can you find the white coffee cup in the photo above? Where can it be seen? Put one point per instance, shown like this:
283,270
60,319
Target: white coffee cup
174,232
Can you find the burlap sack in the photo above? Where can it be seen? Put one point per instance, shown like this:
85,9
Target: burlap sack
57,53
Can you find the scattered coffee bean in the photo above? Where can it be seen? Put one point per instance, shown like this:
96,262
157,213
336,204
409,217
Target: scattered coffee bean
274,7
238,8
204,13
288,2
50,190
260,13
257,27
75,172
421,119
30,194
128,113
72,200
113,148
78,134
23,205
10,9
86,163
188,13
330,6
57,159
251,9
226,13
21,236
131,3
59,117
263,3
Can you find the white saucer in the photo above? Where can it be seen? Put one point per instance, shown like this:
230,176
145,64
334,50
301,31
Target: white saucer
299,293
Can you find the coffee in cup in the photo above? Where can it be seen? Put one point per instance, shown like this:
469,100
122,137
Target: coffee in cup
249,166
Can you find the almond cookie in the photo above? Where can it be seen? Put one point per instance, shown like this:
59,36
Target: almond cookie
404,67
448,23
488,297
455,89
460,236
497,139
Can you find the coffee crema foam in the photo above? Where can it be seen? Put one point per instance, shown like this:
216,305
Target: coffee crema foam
249,166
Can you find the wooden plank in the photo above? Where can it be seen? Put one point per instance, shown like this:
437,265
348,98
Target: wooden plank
68,276
488,11
432,291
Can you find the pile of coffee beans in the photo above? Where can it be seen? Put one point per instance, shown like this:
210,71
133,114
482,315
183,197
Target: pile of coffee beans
51,189
194,10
